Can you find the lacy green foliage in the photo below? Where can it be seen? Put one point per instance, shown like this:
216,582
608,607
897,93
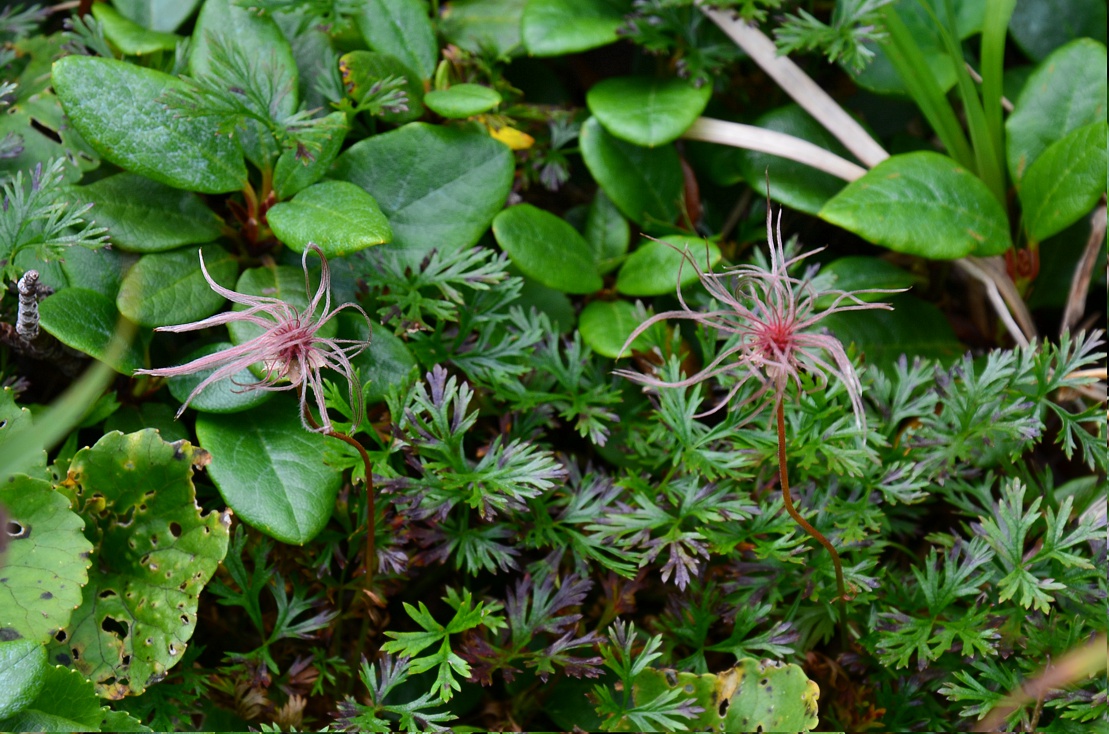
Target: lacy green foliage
36,216
381,680
854,23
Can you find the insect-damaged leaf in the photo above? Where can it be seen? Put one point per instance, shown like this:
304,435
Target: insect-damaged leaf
154,552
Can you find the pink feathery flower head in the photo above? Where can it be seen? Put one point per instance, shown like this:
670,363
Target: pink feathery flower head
290,348
775,317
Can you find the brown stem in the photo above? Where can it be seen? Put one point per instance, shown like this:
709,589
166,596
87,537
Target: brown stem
816,534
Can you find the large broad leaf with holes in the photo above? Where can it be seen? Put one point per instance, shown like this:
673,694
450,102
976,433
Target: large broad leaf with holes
154,552
46,562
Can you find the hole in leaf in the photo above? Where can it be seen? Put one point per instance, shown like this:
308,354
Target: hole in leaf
76,653
61,636
46,595
723,709
153,539
107,594
45,131
114,627
184,619
172,649
126,659
17,529
3,424
127,517
63,658
175,529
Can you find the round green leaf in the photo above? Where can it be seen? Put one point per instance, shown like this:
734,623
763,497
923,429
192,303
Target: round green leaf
607,232
130,37
556,27
1041,27
401,29
336,215
922,204
385,364
1065,182
655,267
271,471
157,15
132,128
547,249
223,396
438,187
294,172
914,327
792,183
644,183
645,110
22,674
155,552
168,288
462,100
483,26
98,270
767,696
87,320
1064,93
46,562
65,702
606,325
143,215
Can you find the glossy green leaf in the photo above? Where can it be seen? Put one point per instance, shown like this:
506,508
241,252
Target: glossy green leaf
22,674
922,204
291,174
438,187
644,183
86,321
98,270
547,249
607,232
462,100
1043,26
65,702
360,70
880,75
271,471
130,37
168,288
385,364
16,425
556,27
1064,93
155,551
860,273
482,26
143,215
658,267
645,110
223,396
401,29
606,325
792,183
133,129
1065,182
157,15
46,563
336,215
914,328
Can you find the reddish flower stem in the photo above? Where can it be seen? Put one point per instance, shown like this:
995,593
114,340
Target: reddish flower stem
816,534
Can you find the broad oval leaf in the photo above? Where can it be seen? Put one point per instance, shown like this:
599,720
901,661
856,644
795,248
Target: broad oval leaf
659,266
606,325
143,215
402,29
22,674
1041,27
556,27
281,281
155,552
87,321
607,232
462,100
793,183
66,702
483,26
644,183
1065,182
922,204
157,15
438,187
647,111
547,249
336,215
1065,92
130,37
133,129
168,288
228,395
857,273
914,328
46,562
271,471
